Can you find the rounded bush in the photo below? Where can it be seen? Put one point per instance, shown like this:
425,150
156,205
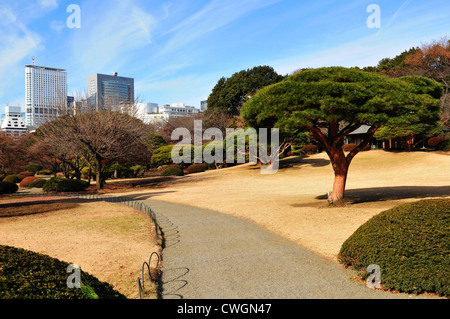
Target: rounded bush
61,184
196,168
8,188
27,180
434,141
12,179
172,171
410,243
44,172
29,275
37,183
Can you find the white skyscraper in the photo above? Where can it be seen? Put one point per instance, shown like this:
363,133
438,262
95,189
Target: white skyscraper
45,93
13,123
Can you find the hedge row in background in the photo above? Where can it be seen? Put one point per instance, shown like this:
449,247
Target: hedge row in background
410,243
196,168
28,275
61,184
172,170
12,179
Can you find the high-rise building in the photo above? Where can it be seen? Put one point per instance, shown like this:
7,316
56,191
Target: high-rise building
106,90
13,124
45,94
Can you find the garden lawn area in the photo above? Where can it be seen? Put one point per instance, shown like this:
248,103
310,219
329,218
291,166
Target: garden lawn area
108,241
293,202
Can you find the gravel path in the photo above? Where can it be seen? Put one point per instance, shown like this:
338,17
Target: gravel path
209,255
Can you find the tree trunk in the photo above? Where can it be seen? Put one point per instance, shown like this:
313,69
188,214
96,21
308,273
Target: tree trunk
100,178
340,180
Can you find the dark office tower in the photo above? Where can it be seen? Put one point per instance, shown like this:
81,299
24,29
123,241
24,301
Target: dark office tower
104,91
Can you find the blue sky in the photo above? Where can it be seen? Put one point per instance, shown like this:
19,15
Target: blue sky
176,50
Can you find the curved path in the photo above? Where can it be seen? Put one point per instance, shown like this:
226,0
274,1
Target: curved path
210,255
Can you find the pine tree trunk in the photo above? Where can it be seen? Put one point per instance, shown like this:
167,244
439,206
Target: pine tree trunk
340,167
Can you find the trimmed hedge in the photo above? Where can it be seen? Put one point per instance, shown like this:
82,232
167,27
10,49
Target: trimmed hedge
8,188
61,184
434,141
37,183
410,243
27,180
28,275
172,171
12,179
196,168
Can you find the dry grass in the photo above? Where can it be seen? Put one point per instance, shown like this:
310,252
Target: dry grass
107,240
292,202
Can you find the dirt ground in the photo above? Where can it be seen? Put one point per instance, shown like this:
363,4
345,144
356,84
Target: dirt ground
109,241
293,202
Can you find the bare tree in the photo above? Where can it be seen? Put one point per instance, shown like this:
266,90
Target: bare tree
106,136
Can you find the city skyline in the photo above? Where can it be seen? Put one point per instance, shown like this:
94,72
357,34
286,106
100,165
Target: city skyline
176,52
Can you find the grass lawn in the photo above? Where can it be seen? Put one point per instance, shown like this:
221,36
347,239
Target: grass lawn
292,202
109,241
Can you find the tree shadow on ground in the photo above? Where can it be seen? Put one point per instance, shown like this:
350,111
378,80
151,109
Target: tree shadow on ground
303,160
35,208
377,194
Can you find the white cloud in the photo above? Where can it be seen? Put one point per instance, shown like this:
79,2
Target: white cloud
51,4
18,43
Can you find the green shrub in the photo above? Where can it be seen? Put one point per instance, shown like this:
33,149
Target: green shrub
37,183
27,180
33,168
172,171
410,243
163,155
12,179
120,171
61,184
28,275
8,188
44,172
196,168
